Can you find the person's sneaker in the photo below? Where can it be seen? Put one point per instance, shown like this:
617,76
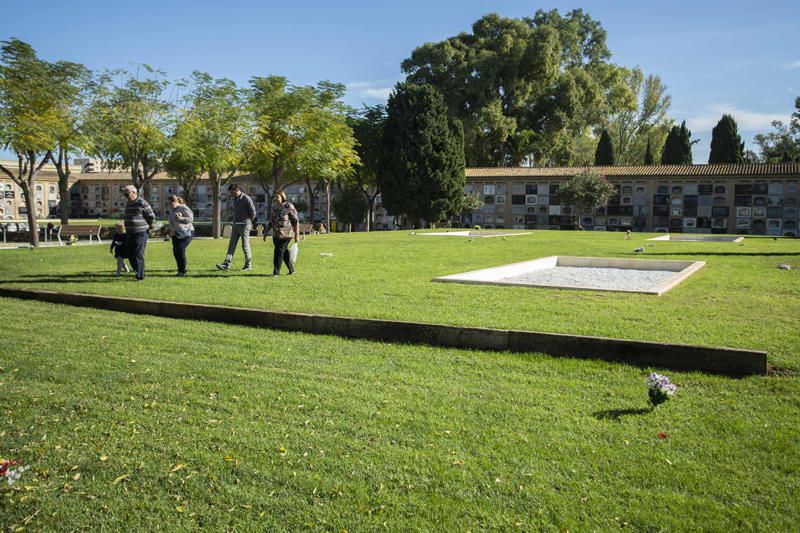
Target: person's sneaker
247,267
224,266
181,274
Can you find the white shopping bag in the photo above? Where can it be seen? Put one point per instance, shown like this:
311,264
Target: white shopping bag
293,253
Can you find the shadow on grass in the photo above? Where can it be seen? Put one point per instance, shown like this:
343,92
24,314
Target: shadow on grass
732,254
96,277
616,414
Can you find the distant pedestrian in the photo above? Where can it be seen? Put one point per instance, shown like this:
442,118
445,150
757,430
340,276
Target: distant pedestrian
285,226
119,247
244,214
139,219
181,230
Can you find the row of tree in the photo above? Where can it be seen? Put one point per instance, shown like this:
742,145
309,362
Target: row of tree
726,146
272,130
140,122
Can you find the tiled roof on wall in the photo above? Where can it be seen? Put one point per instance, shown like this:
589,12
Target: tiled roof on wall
767,170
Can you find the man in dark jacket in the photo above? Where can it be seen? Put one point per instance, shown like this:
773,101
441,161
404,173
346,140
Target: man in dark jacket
244,214
139,219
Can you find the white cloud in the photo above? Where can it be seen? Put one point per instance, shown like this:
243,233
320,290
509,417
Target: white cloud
377,94
353,85
746,120
793,65
370,90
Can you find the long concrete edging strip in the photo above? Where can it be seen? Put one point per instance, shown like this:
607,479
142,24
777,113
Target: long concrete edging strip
642,353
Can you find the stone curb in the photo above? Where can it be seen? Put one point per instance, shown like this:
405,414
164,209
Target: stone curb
728,361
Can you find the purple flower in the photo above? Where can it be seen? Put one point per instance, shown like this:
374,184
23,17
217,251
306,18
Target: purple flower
660,388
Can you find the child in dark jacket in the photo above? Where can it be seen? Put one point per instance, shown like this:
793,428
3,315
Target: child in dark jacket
119,247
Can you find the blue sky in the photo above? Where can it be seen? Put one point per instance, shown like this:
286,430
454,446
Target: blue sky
738,57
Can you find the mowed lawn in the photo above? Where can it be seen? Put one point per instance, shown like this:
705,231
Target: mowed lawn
739,299
140,423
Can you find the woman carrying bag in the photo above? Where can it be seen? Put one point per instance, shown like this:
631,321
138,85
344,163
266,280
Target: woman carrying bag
284,226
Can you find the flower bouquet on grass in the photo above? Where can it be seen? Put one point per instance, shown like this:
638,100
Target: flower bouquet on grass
10,472
659,388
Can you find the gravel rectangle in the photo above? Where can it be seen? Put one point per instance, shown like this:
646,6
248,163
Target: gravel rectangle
593,278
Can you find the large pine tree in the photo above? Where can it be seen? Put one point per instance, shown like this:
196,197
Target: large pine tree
604,155
726,144
422,164
678,146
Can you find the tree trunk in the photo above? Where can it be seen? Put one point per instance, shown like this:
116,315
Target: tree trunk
216,209
63,170
141,181
370,209
64,200
312,193
328,205
33,227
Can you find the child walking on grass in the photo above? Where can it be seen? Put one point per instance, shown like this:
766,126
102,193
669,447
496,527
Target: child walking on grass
119,248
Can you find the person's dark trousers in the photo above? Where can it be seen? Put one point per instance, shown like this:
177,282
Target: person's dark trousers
179,251
136,245
281,254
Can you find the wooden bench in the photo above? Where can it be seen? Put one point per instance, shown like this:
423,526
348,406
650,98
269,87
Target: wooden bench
66,230
308,229
304,229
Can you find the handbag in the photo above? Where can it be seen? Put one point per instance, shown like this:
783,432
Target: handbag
285,232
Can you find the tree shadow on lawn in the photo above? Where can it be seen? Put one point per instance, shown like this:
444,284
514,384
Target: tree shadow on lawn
96,277
616,414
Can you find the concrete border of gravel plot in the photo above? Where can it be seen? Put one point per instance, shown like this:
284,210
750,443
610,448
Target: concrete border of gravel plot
718,360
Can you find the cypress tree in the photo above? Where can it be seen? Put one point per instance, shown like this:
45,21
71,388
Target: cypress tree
669,154
422,161
648,155
678,146
685,145
604,155
726,144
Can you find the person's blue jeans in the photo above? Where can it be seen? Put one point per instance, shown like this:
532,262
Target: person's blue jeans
179,245
137,242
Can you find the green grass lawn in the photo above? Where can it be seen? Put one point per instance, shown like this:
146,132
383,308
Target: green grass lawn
141,423
739,299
